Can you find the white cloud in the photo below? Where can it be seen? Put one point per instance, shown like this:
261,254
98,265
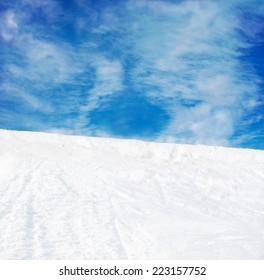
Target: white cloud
108,76
8,26
15,93
10,20
47,64
108,81
189,52
187,61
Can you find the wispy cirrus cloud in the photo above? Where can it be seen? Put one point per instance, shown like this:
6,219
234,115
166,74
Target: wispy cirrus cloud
8,26
189,58
172,69
51,75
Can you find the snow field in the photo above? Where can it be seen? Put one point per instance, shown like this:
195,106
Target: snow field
73,197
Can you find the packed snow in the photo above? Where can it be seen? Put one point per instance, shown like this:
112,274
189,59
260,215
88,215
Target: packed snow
73,197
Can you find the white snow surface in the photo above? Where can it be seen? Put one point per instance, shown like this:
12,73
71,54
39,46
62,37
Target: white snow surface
74,197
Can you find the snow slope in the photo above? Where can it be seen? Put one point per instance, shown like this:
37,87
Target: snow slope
71,197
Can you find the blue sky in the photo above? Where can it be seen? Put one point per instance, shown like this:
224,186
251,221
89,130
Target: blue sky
159,70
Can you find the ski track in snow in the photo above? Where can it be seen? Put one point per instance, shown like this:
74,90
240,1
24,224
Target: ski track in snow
72,197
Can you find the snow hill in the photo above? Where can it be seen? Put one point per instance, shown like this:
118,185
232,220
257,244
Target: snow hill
71,197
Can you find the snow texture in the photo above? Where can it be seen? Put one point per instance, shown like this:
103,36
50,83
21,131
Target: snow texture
72,197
